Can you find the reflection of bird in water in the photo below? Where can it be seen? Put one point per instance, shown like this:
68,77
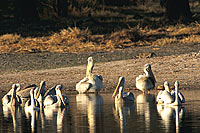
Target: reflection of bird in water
33,115
11,98
145,105
121,111
122,96
55,115
146,82
91,83
169,112
15,112
92,106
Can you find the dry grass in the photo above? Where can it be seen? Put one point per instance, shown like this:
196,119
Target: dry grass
77,40
116,28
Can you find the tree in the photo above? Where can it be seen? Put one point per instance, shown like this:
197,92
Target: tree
178,10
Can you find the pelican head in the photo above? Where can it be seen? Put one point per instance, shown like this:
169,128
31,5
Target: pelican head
147,69
41,89
59,93
166,85
13,99
90,66
32,98
148,72
120,86
18,87
176,84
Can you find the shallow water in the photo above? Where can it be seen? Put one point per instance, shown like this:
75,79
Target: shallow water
98,113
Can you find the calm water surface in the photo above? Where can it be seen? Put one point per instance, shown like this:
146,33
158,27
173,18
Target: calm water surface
98,113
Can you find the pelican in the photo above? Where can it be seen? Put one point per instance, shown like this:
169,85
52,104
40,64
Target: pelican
57,100
176,102
91,83
164,96
181,98
146,82
125,96
11,98
31,104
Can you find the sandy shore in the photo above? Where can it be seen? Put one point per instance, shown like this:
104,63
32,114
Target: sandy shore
183,67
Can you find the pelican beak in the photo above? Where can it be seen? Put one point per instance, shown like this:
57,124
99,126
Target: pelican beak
116,89
61,96
42,87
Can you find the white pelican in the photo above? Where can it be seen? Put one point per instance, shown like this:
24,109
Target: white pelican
31,104
181,98
91,83
146,82
176,102
125,96
57,100
11,99
164,96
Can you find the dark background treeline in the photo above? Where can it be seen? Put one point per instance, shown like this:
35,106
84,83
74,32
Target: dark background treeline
61,13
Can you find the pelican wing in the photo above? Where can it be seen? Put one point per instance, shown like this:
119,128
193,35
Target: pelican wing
165,97
128,96
83,85
6,99
180,96
50,100
144,83
51,91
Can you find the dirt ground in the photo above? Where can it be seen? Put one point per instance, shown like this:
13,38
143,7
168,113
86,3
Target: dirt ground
183,67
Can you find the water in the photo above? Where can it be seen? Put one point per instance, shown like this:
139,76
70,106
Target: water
98,113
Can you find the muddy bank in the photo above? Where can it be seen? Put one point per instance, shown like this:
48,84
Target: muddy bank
11,63
68,69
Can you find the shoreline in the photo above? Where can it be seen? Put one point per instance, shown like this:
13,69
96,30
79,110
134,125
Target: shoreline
184,67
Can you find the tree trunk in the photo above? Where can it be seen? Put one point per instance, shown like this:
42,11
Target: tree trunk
178,10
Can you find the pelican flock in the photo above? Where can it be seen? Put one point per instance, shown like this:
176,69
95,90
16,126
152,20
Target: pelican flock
38,98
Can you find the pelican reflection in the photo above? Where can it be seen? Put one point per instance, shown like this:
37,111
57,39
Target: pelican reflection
171,114
121,111
55,115
15,112
145,107
33,116
92,106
